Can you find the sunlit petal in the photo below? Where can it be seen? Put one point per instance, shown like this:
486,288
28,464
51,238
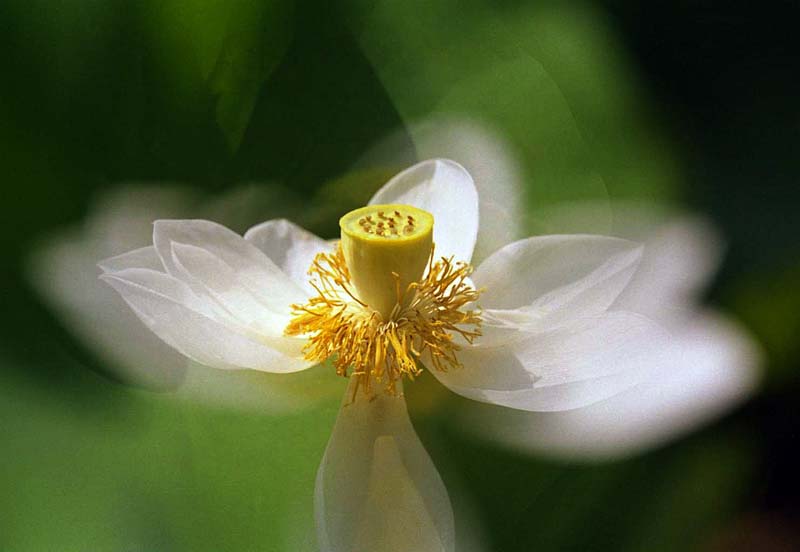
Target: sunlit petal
252,267
377,488
289,246
446,190
572,366
679,259
711,366
143,257
205,271
190,324
557,279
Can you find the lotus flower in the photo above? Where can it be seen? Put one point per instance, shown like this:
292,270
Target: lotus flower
537,325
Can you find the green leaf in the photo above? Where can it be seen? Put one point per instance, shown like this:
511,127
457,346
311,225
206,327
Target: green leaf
231,46
548,78
256,38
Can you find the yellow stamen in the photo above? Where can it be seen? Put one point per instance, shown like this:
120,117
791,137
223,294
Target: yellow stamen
366,344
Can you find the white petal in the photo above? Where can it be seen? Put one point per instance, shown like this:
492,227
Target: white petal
679,259
497,176
143,257
446,190
681,252
377,488
189,324
557,279
712,367
289,246
577,364
207,272
253,269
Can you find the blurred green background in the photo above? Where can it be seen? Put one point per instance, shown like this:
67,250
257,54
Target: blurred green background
672,102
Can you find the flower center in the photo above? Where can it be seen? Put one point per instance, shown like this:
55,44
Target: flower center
383,301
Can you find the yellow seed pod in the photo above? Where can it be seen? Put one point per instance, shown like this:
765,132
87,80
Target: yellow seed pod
381,241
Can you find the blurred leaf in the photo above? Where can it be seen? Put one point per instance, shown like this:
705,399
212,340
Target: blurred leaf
234,45
256,39
532,111
580,48
319,111
458,64
547,77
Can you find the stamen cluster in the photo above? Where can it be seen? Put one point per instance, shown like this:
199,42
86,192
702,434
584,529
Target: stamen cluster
427,316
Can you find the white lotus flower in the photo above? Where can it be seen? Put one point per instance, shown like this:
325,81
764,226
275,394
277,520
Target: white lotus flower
547,335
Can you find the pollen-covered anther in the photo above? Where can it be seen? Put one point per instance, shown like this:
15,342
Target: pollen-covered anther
428,314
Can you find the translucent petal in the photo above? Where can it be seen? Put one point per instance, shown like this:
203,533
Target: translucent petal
189,323
711,366
575,365
289,246
253,269
143,257
377,488
681,253
557,279
679,259
207,272
446,190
